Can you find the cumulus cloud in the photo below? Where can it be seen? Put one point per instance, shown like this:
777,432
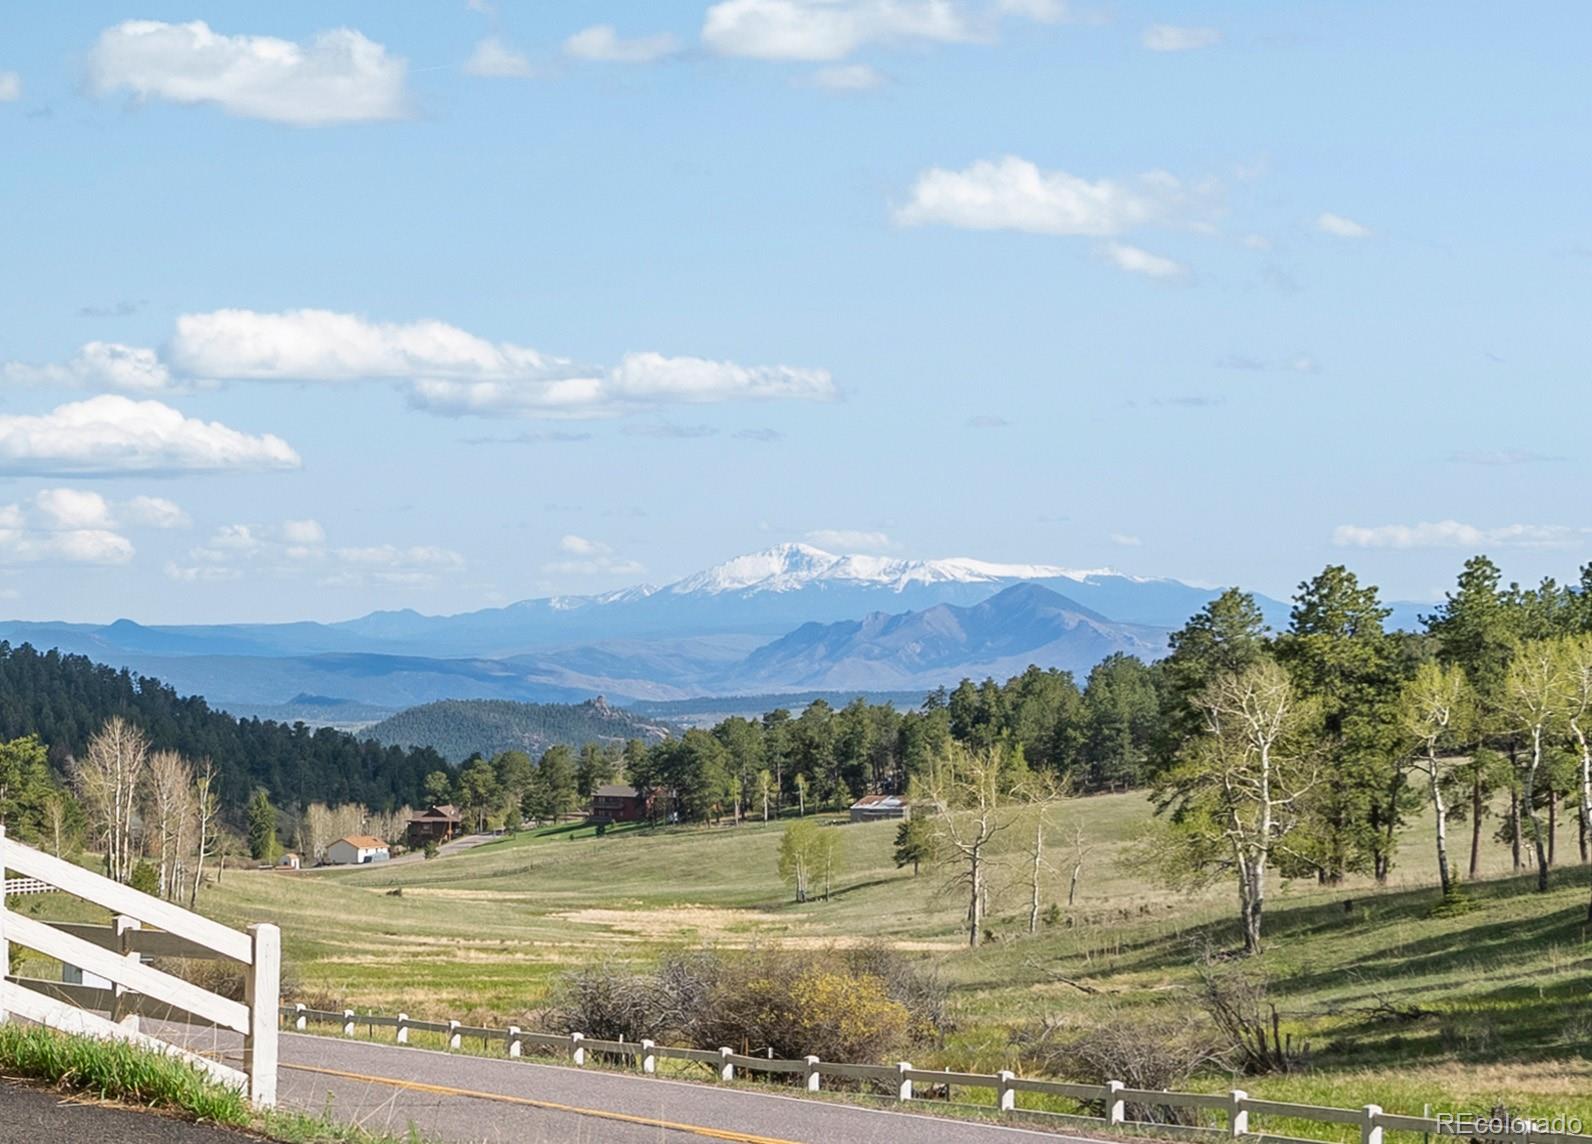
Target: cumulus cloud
1340,227
493,59
337,76
294,548
10,87
154,512
65,526
602,43
847,77
586,557
580,546
1126,540
851,540
444,369
303,532
109,435
820,30
1136,260
1454,534
97,365
1014,194
1171,38
451,371
73,508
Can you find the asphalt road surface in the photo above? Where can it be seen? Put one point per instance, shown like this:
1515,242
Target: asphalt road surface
477,1100
36,1116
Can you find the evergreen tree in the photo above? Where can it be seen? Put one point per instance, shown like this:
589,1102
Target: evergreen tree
263,844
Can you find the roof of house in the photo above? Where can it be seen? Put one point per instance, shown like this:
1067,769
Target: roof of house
446,812
362,842
616,790
868,801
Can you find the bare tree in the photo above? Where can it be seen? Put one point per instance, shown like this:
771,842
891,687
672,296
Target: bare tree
207,809
108,779
1576,678
170,809
1079,852
964,792
1438,713
1535,703
1040,793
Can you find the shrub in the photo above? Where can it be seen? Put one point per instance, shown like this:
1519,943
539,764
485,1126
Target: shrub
144,878
1158,1049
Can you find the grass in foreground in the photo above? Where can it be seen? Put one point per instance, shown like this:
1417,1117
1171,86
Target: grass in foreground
132,1075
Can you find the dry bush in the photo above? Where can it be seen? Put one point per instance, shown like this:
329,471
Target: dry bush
1235,998
858,1005
1162,1048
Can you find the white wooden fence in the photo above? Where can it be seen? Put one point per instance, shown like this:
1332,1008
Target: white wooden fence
1234,1109
115,952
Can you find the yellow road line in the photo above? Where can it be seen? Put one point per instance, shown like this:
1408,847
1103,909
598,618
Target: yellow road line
549,1105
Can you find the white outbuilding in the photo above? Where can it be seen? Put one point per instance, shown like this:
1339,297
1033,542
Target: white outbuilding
357,850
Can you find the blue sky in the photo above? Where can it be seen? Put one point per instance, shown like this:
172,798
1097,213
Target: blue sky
327,307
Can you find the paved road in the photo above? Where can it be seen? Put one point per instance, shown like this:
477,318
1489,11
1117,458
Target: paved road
36,1116
470,1100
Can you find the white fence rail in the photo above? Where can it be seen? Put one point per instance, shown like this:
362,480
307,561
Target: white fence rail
1237,1110
116,953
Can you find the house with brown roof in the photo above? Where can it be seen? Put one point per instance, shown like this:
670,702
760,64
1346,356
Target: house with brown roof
617,802
437,824
357,850
872,807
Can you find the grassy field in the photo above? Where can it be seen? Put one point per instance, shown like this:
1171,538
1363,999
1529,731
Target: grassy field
1402,1007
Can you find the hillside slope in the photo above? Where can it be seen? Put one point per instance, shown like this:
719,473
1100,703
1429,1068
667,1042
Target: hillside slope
458,728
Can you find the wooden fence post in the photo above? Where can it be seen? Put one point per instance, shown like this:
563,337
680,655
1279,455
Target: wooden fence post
1237,1114
1371,1124
649,1057
5,943
403,1029
1116,1107
812,1074
904,1089
514,1040
122,1006
577,1051
726,1069
262,993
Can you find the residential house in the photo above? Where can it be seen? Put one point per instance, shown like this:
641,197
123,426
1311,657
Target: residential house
872,807
434,824
617,802
357,850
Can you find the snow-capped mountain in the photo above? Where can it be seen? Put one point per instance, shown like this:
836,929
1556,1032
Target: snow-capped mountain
792,567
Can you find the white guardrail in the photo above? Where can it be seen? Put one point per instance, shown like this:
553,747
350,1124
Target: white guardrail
1115,1098
116,953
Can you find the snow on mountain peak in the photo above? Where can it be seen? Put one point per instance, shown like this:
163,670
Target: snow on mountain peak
789,567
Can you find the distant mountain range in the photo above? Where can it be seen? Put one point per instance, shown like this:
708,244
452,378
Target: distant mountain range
792,617
458,728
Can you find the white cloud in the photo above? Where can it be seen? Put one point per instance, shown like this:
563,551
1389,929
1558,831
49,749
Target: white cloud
338,76
1039,11
75,530
603,44
493,59
851,540
450,371
1126,540
822,30
97,365
201,573
109,434
1138,261
395,557
1340,227
1014,194
10,87
73,508
1171,38
303,532
155,512
1454,534
580,546
847,77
